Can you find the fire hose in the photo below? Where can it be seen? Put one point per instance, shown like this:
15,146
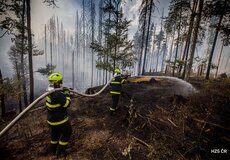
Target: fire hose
82,94
43,96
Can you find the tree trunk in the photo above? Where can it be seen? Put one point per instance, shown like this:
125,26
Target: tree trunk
101,72
187,45
152,55
45,47
18,76
3,107
83,39
142,39
22,55
51,54
158,53
147,38
218,64
30,52
58,42
92,34
77,46
194,40
183,59
159,47
214,43
164,52
225,68
177,43
73,80
19,86
172,44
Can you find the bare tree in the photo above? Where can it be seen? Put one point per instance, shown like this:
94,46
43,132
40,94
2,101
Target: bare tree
151,9
30,54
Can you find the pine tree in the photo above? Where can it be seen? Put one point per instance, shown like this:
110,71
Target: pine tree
194,40
176,23
15,59
151,6
117,47
219,8
15,25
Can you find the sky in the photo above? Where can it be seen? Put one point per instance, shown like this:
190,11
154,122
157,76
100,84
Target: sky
66,10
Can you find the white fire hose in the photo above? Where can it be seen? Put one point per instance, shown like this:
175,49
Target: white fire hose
79,93
40,98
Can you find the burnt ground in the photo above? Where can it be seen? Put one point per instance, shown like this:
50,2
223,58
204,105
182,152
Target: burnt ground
151,123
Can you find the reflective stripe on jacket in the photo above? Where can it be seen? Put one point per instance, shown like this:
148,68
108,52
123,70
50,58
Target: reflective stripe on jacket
116,85
57,104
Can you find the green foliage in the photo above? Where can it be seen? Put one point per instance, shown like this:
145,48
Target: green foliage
11,12
216,8
225,34
9,87
37,52
116,51
5,87
178,63
179,12
159,38
213,66
47,70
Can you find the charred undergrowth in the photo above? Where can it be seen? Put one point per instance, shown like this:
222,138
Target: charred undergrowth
151,123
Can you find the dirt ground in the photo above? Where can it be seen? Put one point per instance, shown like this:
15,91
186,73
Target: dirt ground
152,122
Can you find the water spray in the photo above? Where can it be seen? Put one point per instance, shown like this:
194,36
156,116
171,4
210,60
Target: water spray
188,85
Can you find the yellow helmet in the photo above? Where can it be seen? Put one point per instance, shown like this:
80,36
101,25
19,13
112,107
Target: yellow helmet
55,77
118,71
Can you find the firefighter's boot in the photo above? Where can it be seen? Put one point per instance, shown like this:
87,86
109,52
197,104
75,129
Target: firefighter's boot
61,151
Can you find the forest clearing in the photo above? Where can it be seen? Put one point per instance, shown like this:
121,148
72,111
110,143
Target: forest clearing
152,123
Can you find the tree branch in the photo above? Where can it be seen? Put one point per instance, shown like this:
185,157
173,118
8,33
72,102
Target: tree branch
3,34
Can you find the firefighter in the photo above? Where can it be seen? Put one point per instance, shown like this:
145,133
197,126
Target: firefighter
115,91
58,119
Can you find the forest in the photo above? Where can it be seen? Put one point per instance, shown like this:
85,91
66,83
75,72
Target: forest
174,55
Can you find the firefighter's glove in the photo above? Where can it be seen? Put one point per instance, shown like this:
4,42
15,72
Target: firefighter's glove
66,91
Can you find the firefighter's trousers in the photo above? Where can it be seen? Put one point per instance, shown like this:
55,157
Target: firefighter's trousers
115,99
60,135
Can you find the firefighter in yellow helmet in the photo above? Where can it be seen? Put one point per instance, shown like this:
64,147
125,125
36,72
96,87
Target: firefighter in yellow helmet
58,119
115,91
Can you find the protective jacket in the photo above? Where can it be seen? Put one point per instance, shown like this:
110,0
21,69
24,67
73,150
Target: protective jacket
57,104
116,84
